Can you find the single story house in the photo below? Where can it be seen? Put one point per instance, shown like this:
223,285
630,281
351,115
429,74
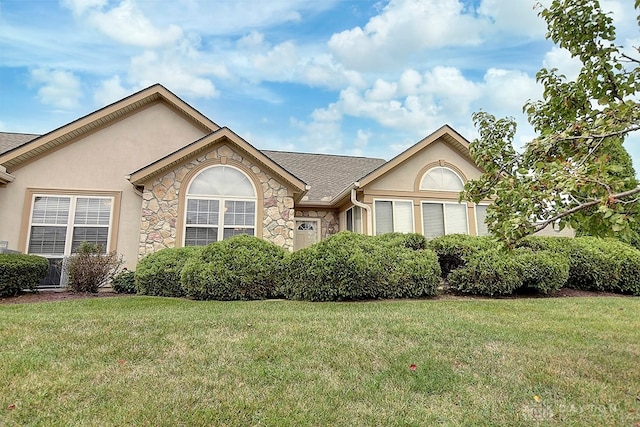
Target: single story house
151,172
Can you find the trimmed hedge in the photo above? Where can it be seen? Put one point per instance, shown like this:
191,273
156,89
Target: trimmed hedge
159,273
604,265
492,272
351,266
240,268
454,249
543,271
20,271
124,282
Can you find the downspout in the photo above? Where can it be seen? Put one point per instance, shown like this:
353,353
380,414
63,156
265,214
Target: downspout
363,206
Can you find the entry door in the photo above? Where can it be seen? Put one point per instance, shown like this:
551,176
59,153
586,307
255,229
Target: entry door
307,233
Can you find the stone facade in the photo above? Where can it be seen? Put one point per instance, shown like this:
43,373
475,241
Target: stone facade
161,199
329,220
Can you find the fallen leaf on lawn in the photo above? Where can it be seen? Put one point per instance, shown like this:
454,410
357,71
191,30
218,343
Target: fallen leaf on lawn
537,398
413,367
12,406
122,361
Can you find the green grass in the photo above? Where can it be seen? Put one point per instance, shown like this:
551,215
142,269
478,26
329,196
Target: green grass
148,361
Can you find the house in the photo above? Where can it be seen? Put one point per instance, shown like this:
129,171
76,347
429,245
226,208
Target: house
151,172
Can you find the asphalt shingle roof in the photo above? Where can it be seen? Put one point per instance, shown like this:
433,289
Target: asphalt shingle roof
10,140
326,174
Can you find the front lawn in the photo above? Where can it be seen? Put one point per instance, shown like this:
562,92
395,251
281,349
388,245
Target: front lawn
148,361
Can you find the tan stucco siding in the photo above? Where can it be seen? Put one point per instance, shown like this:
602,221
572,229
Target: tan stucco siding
403,177
100,161
163,206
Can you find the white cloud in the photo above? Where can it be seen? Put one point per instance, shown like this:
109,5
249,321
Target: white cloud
509,90
517,17
561,59
406,27
79,7
173,72
58,88
109,91
126,24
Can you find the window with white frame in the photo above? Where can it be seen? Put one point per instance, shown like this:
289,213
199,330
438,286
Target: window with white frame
393,216
441,179
354,219
481,218
220,203
59,224
440,218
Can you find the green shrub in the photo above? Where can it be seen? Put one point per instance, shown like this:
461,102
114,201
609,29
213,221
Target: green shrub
603,265
124,282
91,268
20,272
543,271
240,268
159,273
351,266
454,249
492,272
413,241
561,245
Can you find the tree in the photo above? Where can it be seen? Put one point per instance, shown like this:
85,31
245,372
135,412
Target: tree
576,171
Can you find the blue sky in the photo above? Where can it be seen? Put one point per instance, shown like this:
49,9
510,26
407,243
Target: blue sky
354,77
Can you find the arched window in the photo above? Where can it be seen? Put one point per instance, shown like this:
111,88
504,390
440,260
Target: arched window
441,179
220,203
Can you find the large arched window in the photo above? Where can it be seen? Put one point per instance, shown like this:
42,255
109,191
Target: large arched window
441,179
220,203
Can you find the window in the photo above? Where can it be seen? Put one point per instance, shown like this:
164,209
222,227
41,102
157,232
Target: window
439,219
60,223
441,179
354,219
481,217
393,216
220,203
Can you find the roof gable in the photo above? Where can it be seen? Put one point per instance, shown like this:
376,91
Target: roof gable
98,119
222,135
445,133
11,140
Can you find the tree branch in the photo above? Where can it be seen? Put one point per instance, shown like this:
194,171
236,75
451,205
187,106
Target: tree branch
582,206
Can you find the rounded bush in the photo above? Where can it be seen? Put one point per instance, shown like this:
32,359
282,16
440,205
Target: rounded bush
604,265
124,282
20,272
492,273
543,271
351,266
413,241
454,249
240,268
159,273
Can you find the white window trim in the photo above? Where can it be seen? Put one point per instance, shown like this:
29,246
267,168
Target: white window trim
70,221
393,207
307,219
421,188
443,202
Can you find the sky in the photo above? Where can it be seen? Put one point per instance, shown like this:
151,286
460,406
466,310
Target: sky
354,77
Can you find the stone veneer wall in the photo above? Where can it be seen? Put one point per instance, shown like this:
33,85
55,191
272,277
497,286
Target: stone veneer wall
329,221
161,198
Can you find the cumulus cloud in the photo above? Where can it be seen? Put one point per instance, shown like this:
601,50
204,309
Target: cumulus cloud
403,28
109,91
79,7
58,88
170,70
128,25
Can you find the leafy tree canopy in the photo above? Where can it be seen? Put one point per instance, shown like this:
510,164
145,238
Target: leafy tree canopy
576,172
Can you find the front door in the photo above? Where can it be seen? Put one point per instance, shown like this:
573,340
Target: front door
307,233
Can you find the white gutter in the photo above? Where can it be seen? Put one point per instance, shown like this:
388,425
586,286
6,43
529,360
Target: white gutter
4,176
363,206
